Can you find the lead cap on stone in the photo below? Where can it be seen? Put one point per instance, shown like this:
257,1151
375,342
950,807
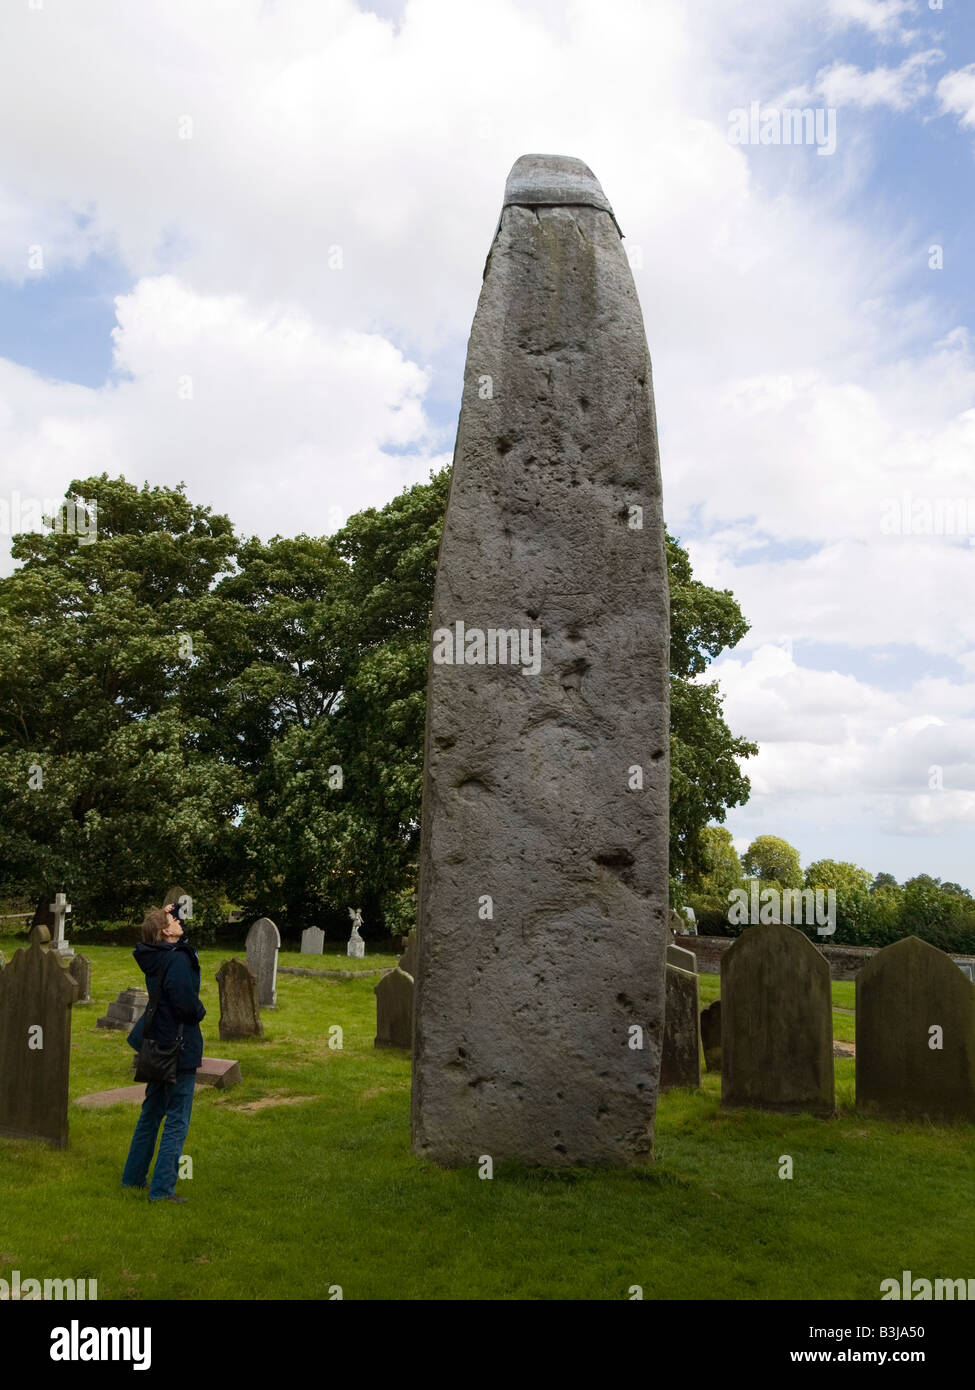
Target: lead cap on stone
554,180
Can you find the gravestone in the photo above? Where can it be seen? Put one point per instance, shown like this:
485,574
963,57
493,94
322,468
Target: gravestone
680,1061
3,960
407,960
312,941
356,947
967,969
542,906
394,1010
263,944
711,1035
79,968
915,1035
776,1023
126,1010
36,995
684,960
239,1014
39,935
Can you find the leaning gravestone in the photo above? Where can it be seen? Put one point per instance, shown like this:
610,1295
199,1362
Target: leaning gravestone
542,913
711,1035
79,968
776,1022
126,1010
915,1035
36,994
312,941
394,1010
239,1014
680,1061
263,944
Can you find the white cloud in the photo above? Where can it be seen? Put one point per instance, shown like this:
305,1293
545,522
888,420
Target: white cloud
900,88
881,17
956,92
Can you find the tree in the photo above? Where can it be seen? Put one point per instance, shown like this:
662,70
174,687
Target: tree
851,885
106,782
883,881
773,861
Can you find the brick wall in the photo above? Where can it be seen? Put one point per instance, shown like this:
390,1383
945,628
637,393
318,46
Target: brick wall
844,961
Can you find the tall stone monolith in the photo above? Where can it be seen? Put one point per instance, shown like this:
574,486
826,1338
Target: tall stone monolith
544,854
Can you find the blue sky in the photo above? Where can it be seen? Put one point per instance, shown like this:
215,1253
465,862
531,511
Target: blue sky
293,214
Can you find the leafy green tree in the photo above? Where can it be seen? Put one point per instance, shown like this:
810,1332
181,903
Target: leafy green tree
773,860
106,784
883,881
852,887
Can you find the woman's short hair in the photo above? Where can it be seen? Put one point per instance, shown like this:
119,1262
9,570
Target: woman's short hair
153,926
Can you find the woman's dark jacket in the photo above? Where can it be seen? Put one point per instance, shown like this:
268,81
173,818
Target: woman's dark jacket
172,973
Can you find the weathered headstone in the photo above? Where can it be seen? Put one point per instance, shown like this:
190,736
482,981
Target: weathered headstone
684,960
407,960
40,935
542,913
776,1023
356,946
680,1061
239,1014
263,944
79,968
915,1035
711,1035
394,1010
36,995
126,1010
312,941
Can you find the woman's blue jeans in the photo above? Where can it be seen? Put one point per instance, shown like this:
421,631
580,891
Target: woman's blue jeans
170,1103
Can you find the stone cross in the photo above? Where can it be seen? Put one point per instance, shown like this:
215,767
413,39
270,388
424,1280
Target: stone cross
59,908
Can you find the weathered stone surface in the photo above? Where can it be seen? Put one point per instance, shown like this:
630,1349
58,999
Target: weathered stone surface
126,1010
776,1023
262,945
36,995
544,855
40,935
407,960
902,994
711,1035
394,1010
240,1016
312,941
79,968
221,1072
680,1062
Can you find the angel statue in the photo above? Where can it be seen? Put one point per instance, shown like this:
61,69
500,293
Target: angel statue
356,946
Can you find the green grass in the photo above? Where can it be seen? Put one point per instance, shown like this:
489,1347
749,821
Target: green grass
290,1199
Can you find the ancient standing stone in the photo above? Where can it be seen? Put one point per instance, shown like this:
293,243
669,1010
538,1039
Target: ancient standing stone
711,1035
680,1063
126,1010
312,941
394,1010
36,995
240,1016
544,853
776,1023
915,1038
263,944
79,968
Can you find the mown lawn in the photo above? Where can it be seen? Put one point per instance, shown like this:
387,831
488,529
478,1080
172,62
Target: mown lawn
303,1180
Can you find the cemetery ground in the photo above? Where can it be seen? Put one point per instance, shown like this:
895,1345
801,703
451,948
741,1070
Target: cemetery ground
303,1179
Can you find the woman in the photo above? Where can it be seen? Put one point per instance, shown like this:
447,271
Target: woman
172,973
